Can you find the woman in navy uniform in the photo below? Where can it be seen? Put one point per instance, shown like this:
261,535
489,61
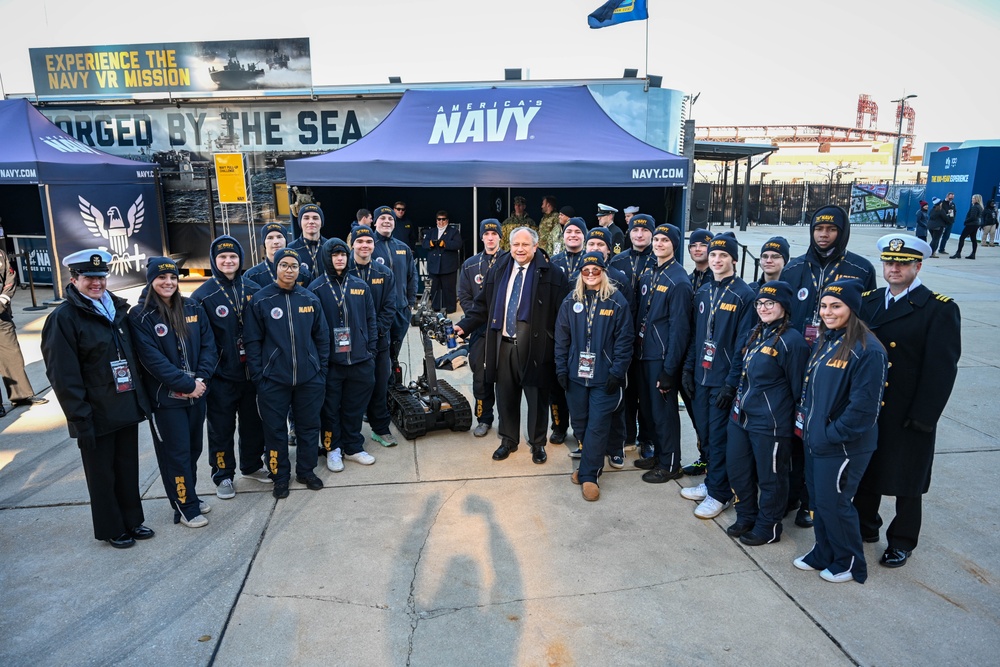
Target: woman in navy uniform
233,398
593,350
176,346
288,349
664,327
350,315
724,314
91,361
837,419
758,447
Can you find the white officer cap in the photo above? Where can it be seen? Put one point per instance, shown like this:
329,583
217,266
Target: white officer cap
90,262
903,248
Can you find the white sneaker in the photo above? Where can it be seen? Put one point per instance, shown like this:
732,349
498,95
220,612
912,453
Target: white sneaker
695,493
711,508
204,507
802,565
226,490
197,522
362,457
836,578
259,476
334,461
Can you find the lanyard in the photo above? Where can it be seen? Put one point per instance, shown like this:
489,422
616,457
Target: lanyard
572,260
819,284
312,253
479,270
764,338
636,274
238,306
590,318
339,300
658,273
819,356
362,271
713,305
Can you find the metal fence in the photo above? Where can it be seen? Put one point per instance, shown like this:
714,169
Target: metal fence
777,203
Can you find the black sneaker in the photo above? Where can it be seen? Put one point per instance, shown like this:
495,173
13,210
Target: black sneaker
699,467
741,527
661,475
280,491
756,538
804,518
312,482
557,437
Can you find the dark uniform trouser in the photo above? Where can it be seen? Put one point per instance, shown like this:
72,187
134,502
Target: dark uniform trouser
758,462
178,439
348,392
559,408
635,428
798,494
833,481
509,389
397,331
698,430
904,530
228,401
713,424
665,423
112,471
484,392
591,409
305,402
12,366
378,408
443,291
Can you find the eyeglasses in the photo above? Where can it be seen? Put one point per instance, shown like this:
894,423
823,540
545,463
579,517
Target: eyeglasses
442,219
591,272
765,304
400,208
288,267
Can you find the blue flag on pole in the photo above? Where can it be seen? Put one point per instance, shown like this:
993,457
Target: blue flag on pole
618,11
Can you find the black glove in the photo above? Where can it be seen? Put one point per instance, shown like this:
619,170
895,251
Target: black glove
725,397
665,382
563,381
918,426
687,382
613,385
86,439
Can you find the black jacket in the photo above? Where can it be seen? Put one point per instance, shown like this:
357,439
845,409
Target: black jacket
225,302
79,345
443,254
286,335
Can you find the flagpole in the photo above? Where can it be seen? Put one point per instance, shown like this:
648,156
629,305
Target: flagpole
647,49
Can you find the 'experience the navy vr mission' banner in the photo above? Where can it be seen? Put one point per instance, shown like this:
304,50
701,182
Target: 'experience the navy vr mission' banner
126,69
122,219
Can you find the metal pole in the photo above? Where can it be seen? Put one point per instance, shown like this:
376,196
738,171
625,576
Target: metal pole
31,281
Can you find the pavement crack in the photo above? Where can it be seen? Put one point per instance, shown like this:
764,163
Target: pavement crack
411,606
321,598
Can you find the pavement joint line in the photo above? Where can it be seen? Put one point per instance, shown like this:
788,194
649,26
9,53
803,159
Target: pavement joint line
243,583
320,598
794,601
969,426
411,607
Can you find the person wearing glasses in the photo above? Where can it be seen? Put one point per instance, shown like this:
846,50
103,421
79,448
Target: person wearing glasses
91,361
443,244
288,350
176,346
758,446
404,226
273,238
837,419
593,349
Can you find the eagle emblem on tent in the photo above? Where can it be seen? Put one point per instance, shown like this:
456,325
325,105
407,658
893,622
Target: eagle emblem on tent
113,227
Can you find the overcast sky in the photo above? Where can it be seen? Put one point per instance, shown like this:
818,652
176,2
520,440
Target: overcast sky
763,62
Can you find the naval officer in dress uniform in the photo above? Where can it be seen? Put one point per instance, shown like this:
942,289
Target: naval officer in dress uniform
921,332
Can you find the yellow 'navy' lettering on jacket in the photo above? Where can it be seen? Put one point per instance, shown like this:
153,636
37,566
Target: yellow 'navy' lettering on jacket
731,307
837,363
306,309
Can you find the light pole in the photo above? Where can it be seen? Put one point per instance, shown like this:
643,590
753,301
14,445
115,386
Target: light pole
899,136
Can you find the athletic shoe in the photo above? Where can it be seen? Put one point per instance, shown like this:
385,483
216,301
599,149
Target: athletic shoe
482,428
617,461
576,453
261,476
699,467
204,507
696,493
312,482
362,457
756,538
225,490
334,461
197,522
384,439
711,508
646,450
802,565
836,578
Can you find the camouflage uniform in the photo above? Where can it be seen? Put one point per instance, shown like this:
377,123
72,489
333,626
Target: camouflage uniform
550,233
512,223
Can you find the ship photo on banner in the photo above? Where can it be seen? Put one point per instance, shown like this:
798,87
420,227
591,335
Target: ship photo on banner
125,70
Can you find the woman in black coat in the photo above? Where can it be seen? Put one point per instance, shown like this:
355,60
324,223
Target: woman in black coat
936,224
971,228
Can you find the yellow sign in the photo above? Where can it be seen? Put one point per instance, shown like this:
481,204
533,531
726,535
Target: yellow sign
231,176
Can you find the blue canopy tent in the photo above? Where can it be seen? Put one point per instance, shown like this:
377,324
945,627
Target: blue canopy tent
495,137
88,198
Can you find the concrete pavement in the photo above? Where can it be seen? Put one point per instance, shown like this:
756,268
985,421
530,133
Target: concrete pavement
438,555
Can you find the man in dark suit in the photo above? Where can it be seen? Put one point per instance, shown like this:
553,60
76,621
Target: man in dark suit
443,244
518,304
921,332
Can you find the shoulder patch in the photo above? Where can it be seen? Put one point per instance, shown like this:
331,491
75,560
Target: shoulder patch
942,297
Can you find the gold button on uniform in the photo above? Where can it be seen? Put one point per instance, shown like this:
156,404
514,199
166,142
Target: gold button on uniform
892,344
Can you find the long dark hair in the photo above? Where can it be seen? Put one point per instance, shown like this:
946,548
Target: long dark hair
171,312
758,331
854,331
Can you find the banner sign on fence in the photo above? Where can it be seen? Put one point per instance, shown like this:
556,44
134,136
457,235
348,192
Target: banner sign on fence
231,174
